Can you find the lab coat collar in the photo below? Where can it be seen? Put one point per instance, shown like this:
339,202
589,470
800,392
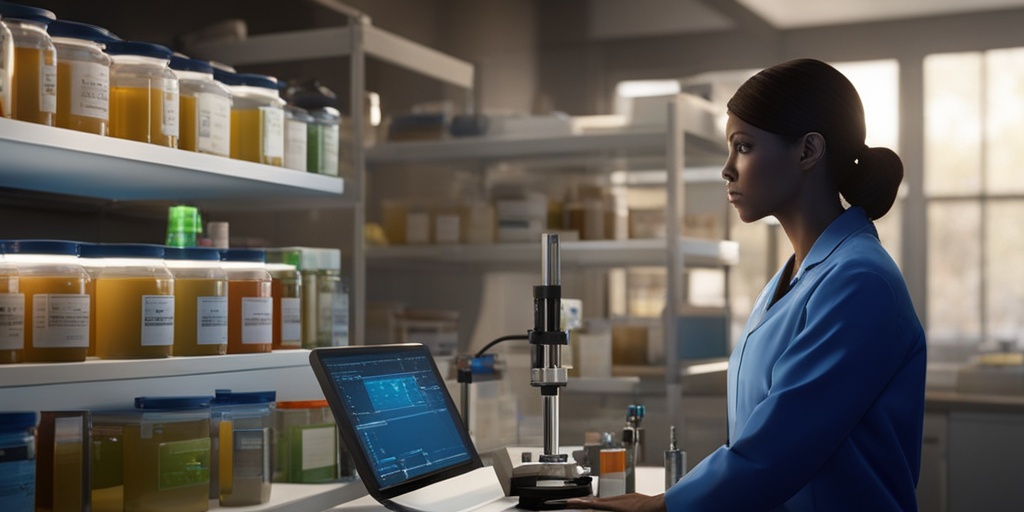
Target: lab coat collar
849,222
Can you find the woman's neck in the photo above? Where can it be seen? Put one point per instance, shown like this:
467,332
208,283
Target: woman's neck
804,227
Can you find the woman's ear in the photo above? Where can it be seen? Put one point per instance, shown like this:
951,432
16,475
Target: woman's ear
812,150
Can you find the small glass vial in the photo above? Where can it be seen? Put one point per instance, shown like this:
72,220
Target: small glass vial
18,465
134,302
34,89
143,93
12,315
257,117
287,291
6,69
250,303
296,127
83,76
200,301
54,285
324,130
241,458
205,108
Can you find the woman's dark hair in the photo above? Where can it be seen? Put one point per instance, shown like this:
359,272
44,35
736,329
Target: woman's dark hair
802,96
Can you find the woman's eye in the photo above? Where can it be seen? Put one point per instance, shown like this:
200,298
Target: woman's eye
742,147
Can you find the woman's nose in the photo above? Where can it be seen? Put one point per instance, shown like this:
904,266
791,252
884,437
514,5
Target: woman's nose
728,172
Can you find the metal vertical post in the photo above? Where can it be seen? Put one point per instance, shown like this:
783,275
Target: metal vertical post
674,163
357,65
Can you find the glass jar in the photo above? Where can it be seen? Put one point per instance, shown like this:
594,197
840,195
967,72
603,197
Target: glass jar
91,261
62,463
12,315
6,69
143,93
200,301
34,94
153,457
296,126
286,288
83,76
324,130
242,466
56,301
18,465
257,117
332,300
134,302
250,303
205,108
306,447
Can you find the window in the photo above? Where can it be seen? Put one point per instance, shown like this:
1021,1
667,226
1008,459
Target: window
974,122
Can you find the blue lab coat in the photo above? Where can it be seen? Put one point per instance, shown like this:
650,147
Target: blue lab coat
826,390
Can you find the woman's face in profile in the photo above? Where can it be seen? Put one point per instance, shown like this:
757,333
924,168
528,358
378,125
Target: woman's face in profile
762,172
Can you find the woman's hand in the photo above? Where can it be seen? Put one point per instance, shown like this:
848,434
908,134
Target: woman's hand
625,503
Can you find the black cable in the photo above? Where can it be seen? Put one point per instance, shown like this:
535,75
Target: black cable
501,339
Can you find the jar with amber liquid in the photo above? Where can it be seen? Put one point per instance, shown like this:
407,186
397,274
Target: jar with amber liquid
12,316
134,302
205,110
257,117
53,283
34,87
250,301
83,76
143,93
6,68
200,301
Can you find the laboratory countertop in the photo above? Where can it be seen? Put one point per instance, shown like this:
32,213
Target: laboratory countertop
950,401
649,480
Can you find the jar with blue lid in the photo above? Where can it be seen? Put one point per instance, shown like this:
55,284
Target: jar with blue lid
324,129
143,93
153,457
200,301
53,284
83,76
241,425
34,97
18,463
250,301
134,301
257,117
205,108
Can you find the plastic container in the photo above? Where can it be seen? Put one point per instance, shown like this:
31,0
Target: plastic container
296,137
250,303
200,301
83,76
205,108
153,458
63,481
241,426
286,288
257,117
306,448
6,69
324,130
134,301
143,93
12,315
56,300
34,90
332,301
18,464
183,226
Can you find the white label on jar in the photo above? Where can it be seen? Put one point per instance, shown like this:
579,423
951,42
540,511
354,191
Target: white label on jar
60,320
446,229
169,126
157,320
291,322
272,121
325,315
295,145
48,86
330,156
257,320
211,320
90,90
341,319
12,321
319,448
213,123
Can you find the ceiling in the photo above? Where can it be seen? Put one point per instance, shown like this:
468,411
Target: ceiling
614,19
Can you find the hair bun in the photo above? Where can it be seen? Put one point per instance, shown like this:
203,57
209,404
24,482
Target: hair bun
876,181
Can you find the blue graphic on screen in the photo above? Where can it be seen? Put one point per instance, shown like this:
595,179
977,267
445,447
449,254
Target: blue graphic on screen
398,409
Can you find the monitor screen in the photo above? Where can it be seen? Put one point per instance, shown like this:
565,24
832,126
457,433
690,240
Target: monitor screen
399,411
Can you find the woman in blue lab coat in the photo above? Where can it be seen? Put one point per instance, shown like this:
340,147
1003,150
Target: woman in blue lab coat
826,385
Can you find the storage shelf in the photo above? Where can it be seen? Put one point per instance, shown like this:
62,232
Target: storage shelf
608,253
311,497
104,384
55,160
